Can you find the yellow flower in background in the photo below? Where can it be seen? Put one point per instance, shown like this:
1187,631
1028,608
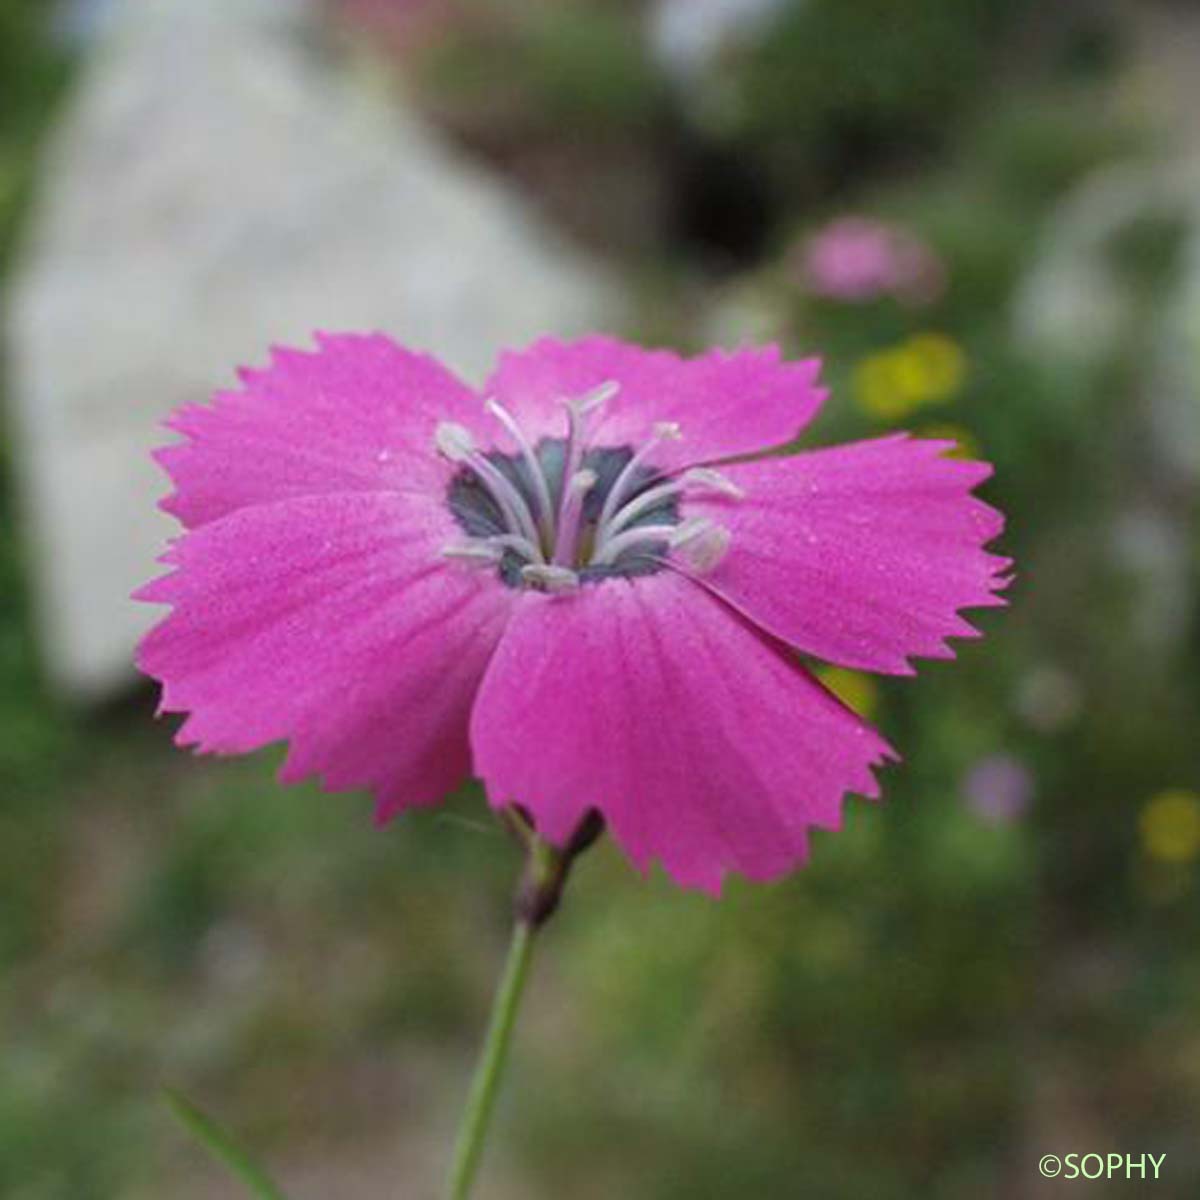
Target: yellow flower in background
879,388
910,377
968,443
940,364
856,691
1170,826
929,368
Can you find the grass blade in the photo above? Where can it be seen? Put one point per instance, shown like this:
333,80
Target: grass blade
222,1147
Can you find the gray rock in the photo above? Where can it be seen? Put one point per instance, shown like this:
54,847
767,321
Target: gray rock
219,185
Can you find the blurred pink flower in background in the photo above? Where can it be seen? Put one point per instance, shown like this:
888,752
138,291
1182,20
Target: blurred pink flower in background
561,585
999,788
402,25
855,259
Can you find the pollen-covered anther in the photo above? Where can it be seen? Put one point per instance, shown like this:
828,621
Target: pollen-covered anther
583,481
547,577
453,441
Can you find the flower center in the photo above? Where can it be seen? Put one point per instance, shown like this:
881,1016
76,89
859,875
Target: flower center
567,511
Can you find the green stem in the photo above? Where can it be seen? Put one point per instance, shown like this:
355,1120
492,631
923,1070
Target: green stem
482,1097
222,1147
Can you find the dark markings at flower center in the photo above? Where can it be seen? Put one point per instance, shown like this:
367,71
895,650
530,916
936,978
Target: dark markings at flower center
476,510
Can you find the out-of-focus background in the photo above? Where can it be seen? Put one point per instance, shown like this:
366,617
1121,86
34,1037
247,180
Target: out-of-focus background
986,215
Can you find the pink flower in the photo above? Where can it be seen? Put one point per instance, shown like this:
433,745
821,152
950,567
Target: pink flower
856,259
999,788
402,25
389,572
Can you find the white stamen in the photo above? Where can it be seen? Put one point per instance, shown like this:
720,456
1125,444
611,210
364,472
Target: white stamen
578,410
572,458
704,477
597,397
475,550
663,431
453,441
541,487
510,501
688,531
638,506
713,481
548,549
705,548
522,545
642,535
549,578
570,514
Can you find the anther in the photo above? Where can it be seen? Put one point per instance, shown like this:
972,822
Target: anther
713,481
689,530
476,550
453,441
597,397
705,548
541,529
546,577
583,481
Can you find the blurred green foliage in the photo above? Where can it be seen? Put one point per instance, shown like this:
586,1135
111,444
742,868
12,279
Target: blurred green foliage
937,999
838,83
35,746
549,67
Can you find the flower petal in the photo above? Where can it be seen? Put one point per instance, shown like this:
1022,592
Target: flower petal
725,402
859,554
359,413
334,622
704,745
